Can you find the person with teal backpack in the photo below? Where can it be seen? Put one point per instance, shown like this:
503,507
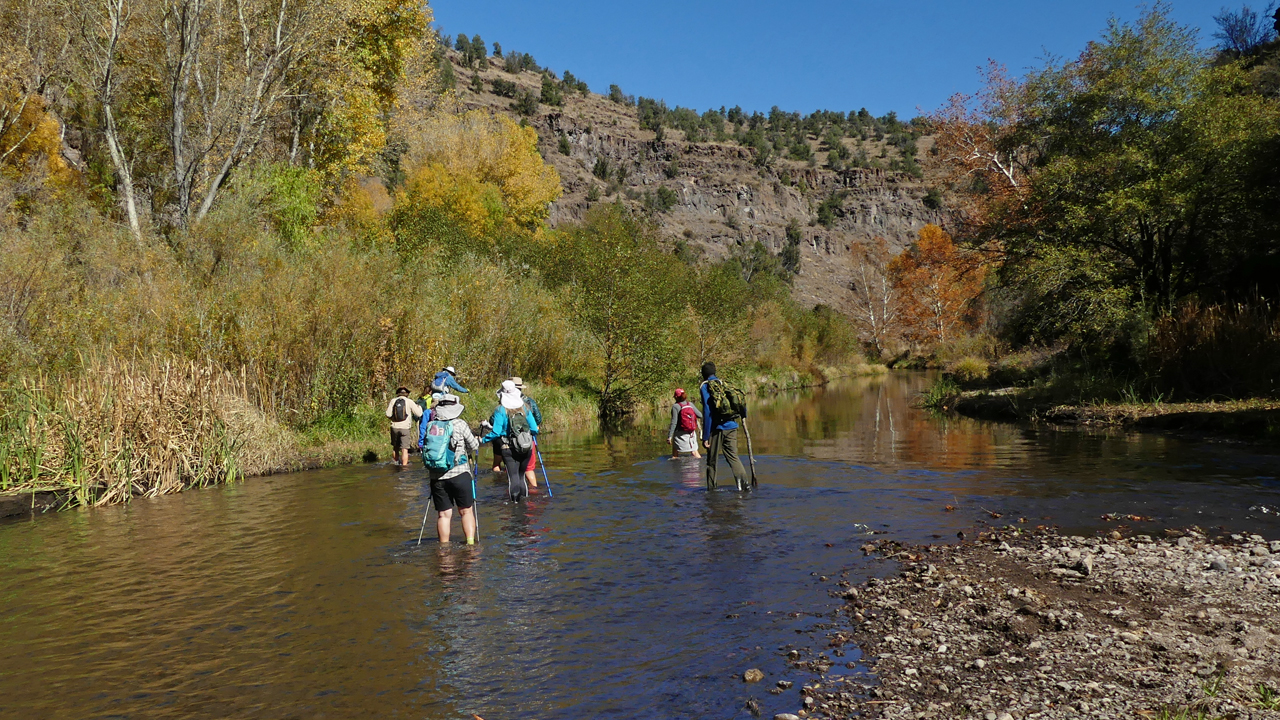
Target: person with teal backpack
723,405
517,428
446,444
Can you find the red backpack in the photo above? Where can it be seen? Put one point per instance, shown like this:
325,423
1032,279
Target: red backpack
688,417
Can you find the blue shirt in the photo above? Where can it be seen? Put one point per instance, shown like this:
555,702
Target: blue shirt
422,427
444,379
708,414
500,425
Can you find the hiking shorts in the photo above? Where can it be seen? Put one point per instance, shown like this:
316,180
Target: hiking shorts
533,457
454,492
403,439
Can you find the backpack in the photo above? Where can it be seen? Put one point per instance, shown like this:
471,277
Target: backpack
437,451
398,411
438,384
727,401
688,417
519,434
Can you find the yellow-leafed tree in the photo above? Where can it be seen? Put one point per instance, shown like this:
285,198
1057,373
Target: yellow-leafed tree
473,179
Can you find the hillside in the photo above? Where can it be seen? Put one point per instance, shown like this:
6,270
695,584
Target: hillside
722,198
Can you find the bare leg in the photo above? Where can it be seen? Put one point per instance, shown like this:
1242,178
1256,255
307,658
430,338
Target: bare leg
404,458
444,523
468,523
531,477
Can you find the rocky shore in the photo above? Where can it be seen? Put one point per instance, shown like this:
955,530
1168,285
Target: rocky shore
1028,624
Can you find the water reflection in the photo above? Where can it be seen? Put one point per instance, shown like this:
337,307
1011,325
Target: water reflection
632,591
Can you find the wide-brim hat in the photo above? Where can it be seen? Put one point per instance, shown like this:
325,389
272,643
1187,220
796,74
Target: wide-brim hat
449,369
517,381
510,396
448,408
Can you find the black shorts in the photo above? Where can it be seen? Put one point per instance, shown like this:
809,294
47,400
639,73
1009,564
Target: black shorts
456,491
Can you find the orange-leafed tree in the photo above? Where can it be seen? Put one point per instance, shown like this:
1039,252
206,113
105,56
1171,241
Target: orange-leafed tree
939,285
978,145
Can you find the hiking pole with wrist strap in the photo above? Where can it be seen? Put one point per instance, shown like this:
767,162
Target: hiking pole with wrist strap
750,455
428,512
545,480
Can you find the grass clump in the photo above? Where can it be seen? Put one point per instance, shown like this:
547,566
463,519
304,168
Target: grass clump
940,394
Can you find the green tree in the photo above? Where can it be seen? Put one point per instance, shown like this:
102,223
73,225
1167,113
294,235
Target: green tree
551,94
1147,176
612,269
563,145
790,255
497,49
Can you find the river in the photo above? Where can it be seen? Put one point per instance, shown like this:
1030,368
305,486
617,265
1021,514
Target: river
632,593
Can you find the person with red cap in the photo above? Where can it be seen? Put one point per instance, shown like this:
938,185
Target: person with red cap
683,434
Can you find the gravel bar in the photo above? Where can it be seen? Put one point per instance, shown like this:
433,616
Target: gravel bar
1021,624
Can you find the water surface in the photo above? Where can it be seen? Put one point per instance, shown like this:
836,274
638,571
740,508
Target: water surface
632,593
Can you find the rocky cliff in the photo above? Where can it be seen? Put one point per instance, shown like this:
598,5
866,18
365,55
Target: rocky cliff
723,198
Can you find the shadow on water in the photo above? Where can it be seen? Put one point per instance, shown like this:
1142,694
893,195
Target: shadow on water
633,591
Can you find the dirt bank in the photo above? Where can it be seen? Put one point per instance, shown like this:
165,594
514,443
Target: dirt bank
1244,420
1029,624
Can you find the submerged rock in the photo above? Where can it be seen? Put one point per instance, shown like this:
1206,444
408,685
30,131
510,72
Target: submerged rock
753,675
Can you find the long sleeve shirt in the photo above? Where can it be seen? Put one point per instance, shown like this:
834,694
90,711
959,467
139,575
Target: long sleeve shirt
412,411
462,443
500,425
675,421
710,422
446,380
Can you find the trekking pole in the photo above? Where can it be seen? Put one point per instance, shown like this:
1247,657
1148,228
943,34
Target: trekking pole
750,455
544,472
475,499
424,518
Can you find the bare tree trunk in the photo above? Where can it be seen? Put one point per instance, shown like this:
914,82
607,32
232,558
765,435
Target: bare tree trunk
124,170
184,29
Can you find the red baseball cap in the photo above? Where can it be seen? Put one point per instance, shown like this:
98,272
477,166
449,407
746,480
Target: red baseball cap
679,393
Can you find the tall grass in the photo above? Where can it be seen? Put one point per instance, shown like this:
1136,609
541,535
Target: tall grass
123,429
1203,351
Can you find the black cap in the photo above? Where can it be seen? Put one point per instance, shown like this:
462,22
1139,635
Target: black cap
402,390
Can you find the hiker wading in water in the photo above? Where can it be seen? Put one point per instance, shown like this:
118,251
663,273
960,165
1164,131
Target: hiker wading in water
404,414
446,442
683,433
517,429
531,409
722,406
446,381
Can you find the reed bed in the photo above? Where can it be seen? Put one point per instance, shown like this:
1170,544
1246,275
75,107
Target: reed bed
123,429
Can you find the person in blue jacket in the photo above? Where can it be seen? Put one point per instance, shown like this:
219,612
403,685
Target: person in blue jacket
719,434
509,420
446,380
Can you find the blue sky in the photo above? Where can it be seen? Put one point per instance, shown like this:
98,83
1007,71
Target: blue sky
822,54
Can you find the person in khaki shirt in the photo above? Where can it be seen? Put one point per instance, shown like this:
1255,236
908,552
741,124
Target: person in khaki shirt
404,413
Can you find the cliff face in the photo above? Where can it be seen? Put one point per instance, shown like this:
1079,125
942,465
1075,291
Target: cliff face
723,199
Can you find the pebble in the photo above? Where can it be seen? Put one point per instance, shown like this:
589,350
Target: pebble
1068,627
752,675
786,716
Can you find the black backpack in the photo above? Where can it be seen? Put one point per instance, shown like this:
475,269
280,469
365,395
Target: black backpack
398,412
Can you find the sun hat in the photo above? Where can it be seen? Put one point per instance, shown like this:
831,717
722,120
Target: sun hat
679,393
448,408
402,390
449,369
510,396
517,381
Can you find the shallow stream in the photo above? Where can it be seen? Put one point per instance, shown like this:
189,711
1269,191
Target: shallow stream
632,593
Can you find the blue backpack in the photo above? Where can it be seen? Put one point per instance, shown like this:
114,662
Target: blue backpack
437,451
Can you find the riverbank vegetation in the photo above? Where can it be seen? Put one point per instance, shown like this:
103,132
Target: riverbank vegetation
204,281
1116,221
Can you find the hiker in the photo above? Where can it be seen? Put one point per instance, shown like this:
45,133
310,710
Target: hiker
446,380
531,408
403,412
446,445
517,429
683,433
722,406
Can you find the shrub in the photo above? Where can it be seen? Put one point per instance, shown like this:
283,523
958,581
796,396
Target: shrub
504,88
969,369
563,145
526,103
551,94
601,169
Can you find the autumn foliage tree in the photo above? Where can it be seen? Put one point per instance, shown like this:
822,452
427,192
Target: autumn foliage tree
472,181
938,286
876,307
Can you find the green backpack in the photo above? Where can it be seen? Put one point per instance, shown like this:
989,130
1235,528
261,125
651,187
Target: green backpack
728,402
519,434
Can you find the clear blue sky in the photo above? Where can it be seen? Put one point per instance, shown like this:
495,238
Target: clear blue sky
801,56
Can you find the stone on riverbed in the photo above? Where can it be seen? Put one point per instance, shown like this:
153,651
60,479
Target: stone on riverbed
752,675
